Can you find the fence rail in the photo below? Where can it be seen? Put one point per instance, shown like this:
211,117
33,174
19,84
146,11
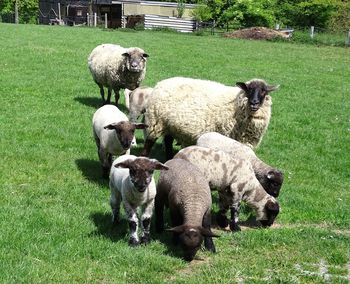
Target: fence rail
179,24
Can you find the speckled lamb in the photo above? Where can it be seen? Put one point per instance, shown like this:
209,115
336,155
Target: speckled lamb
235,180
185,108
116,67
270,178
138,99
186,192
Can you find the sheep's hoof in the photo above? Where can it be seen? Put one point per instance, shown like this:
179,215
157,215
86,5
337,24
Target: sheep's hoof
235,227
222,220
105,172
115,219
133,242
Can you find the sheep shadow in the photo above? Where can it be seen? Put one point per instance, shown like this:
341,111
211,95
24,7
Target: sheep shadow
91,171
105,228
96,102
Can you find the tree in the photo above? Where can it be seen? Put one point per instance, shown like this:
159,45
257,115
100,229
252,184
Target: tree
27,10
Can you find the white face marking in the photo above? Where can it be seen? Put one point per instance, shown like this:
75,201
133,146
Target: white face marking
192,230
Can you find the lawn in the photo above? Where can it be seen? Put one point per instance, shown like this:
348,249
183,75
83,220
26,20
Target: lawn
55,217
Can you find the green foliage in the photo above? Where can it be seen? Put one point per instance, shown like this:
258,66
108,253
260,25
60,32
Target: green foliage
27,10
340,19
180,8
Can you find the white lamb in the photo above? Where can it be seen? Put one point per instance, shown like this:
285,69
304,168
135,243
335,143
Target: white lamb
116,67
185,108
235,180
138,99
132,181
113,134
270,178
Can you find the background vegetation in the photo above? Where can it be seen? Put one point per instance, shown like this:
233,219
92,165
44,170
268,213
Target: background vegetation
54,208
332,15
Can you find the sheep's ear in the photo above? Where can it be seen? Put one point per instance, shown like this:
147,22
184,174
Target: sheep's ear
271,88
145,55
178,229
110,126
124,164
159,166
243,86
207,233
126,54
272,206
140,125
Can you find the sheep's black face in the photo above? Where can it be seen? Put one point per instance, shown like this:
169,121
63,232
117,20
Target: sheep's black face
135,60
140,178
273,182
191,241
256,91
272,209
125,133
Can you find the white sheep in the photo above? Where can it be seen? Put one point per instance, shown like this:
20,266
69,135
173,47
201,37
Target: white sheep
138,99
116,67
185,108
113,134
270,178
185,191
235,180
132,181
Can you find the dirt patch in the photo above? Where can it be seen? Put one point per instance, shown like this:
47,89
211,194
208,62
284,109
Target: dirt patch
257,33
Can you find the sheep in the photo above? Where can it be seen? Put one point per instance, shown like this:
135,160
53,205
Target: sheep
113,134
116,67
138,99
132,181
270,178
235,180
185,191
185,108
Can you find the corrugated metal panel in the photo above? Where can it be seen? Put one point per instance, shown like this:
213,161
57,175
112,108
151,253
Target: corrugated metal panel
179,24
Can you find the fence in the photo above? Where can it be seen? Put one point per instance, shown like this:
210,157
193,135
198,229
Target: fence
179,24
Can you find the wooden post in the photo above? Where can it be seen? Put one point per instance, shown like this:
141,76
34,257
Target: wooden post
16,12
59,11
88,19
277,27
95,19
312,32
106,25
349,38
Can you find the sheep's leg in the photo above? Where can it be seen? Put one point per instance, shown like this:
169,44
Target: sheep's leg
102,91
159,210
127,99
176,220
115,201
224,204
168,143
116,96
234,218
208,241
147,147
146,222
106,162
109,96
133,224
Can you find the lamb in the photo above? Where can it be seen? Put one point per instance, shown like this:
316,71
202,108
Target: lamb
235,180
116,67
113,134
270,178
185,108
138,99
185,191
132,182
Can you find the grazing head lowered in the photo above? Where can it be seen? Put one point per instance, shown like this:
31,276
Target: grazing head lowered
271,210
256,91
273,182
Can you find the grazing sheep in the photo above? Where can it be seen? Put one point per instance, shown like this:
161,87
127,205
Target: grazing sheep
132,182
113,134
235,180
270,178
138,99
185,108
116,67
185,191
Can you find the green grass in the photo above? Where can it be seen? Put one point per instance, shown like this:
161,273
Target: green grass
54,207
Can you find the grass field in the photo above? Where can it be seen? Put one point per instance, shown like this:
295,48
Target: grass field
54,206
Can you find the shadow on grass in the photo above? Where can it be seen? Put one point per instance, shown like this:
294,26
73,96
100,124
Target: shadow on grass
92,171
96,102
105,228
